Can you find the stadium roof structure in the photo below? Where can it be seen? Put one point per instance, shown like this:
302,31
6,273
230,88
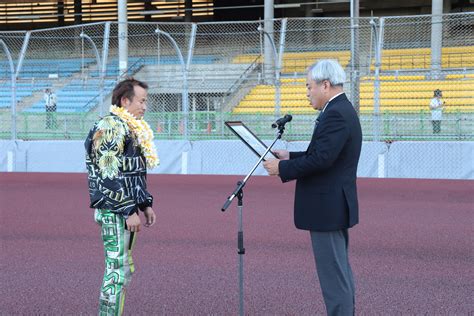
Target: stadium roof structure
25,14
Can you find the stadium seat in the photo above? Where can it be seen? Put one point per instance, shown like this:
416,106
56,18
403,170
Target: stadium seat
396,96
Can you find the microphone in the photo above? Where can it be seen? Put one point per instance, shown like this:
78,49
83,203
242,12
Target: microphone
282,121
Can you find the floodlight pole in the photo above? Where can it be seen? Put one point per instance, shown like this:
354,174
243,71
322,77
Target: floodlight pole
378,59
100,68
184,93
105,53
436,38
278,60
122,37
355,79
13,86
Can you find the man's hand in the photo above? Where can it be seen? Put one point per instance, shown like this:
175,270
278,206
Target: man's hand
282,154
150,217
272,166
133,223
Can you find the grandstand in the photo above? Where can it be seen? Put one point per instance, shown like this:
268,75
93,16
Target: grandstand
225,76
23,91
36,76
298,62
77,96
77,81
420,58
409,94
399,93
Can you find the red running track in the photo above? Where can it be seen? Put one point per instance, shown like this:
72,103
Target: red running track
411,254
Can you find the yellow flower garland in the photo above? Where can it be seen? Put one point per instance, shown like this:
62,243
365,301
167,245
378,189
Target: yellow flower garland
143,132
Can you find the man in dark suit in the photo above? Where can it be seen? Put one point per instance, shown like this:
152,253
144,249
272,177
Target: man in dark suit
326,191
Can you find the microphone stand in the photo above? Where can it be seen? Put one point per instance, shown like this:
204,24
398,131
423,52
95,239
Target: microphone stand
239,193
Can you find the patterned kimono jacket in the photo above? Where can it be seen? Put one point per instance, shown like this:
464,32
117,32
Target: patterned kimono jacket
116,168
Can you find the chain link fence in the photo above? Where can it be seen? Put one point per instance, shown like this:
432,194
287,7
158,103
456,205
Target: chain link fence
434,53
10,97
203,74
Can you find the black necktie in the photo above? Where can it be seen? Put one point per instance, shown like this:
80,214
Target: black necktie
316,122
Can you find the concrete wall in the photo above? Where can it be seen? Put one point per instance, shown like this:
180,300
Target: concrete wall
430,160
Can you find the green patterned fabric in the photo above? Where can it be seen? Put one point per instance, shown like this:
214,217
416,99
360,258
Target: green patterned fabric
119,267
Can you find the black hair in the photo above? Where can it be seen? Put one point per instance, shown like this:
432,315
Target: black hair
126,88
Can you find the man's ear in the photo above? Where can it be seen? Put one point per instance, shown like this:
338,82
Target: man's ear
124,101
327,83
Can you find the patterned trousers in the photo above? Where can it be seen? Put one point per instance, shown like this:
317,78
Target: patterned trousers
119,267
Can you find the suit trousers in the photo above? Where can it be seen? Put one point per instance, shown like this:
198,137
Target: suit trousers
330,251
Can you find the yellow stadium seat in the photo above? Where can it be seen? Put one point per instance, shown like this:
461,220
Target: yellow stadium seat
392,59
396,96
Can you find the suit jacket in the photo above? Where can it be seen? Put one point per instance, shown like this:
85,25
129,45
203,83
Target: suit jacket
326,190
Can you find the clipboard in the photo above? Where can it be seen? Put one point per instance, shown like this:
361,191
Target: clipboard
249,138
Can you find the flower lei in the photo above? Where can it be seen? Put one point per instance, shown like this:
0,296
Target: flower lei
143,132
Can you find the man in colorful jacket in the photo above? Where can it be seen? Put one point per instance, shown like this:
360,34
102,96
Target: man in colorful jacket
119,149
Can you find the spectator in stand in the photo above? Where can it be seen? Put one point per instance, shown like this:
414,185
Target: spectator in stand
436,107
50,101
